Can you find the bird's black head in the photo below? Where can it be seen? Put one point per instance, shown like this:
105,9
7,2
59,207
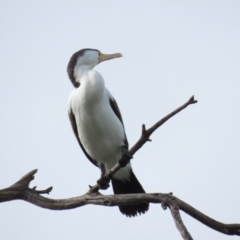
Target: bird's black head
81,54
86,59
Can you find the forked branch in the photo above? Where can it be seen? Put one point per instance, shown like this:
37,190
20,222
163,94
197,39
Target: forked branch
145,137
21,190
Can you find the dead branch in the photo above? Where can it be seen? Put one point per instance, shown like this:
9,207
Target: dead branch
21,191
145,137
179,223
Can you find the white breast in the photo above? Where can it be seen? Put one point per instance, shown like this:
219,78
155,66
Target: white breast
99,129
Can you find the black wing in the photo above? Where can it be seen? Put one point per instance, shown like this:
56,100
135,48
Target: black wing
74,127
116,110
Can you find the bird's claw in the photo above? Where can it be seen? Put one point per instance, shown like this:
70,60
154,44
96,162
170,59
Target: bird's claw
103,182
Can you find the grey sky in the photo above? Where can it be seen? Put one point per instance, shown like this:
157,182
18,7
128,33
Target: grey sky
172,50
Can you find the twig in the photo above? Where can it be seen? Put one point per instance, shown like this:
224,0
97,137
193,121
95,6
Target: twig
179,223
145,137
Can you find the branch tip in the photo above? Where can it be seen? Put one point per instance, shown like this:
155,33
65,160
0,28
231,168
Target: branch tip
24,181
30,174
143,129
192,100
46,191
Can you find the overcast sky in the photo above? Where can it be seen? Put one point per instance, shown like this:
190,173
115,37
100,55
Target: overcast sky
172,50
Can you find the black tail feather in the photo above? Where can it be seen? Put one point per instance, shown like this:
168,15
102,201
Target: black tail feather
127,187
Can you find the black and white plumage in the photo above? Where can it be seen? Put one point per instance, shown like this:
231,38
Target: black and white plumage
97,123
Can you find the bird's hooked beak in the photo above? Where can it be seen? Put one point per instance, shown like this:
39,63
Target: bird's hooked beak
104,57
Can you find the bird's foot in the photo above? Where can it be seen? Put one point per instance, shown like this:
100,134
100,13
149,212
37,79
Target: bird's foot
103,182
126,157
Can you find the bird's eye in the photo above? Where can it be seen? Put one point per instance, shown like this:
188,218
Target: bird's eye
99,56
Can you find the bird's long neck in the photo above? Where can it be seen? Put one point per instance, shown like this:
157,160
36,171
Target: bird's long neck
80,72
92,85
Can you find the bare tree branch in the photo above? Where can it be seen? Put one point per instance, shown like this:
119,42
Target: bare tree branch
145,137
21,191
179,223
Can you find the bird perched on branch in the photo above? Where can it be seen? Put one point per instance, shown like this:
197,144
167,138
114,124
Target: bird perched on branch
98,126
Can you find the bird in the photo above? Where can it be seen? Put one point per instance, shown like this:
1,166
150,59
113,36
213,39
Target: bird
98,125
